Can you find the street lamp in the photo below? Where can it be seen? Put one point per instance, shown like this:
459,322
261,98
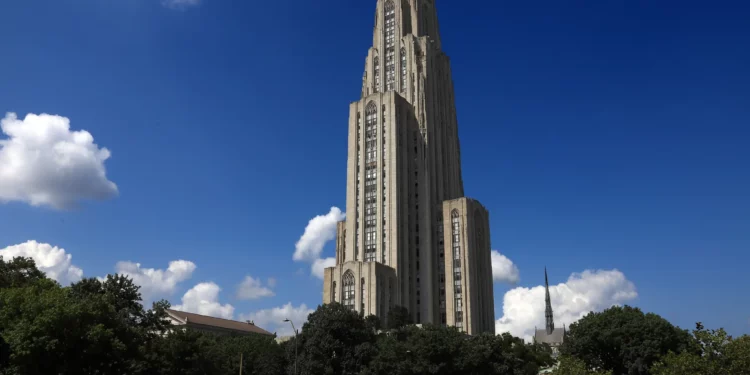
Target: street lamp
295,344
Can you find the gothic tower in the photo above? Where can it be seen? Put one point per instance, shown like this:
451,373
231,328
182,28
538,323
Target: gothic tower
410,237
548,308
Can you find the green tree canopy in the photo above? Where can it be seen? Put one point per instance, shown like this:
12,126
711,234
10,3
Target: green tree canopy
573,366
19,272
623,340
335,340
717,354
398,316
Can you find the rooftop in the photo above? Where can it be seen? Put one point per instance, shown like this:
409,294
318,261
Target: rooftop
209,321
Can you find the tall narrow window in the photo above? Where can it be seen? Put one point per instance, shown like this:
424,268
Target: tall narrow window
457,290
390,34
359,161
403,70
348,284
376,68
333,292
384,234
371,177
362,294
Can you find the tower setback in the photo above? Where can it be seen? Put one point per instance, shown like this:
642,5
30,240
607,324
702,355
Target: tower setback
410,237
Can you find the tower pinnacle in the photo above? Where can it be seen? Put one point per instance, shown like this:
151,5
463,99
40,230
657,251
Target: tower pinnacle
548,310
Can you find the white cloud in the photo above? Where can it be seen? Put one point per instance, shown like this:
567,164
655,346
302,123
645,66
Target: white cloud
43,162
271,282
319,266
180,4
319,231
157,283
523,308
272,320
51,260
253,289
503,269
204,299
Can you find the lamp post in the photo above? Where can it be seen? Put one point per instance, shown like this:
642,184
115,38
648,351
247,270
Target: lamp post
295,344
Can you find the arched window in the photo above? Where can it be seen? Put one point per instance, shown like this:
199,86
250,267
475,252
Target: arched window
403,70
348,284
376,68
371,178
390,35
457,285
333,292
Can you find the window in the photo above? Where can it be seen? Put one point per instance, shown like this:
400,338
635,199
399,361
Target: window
362,294
390,34
403,70
333,292
348,284
457,289
371,177
376,68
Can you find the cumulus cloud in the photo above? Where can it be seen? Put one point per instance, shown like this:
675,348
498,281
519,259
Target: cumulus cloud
253,289
44,163
51,260
319,266
157,283
272,320
180,4
503,269
204,299
319,231
523,308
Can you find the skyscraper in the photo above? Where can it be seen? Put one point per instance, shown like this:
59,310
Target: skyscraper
410,237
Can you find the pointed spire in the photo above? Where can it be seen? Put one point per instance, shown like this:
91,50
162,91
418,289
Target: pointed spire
548,310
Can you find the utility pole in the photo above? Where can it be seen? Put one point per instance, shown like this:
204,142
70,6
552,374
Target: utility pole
240,363
295,344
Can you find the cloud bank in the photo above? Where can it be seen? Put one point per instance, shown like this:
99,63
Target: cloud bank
503,269
157,283
523,308
51,260
319,231
204,299
44,163
272,320
253,289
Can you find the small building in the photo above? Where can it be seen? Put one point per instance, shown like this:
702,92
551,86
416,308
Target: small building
554,337
214,325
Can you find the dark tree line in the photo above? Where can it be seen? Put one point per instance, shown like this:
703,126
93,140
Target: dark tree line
101,327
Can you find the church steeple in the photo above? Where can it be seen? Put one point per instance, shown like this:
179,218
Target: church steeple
548,309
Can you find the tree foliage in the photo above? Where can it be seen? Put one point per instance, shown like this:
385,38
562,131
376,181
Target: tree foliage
717,354
398,317
100,327
574,366
623,340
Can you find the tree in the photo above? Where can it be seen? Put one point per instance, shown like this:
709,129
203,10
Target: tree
91,328
335,340
572,366
373,322
398,316
623,340
717,354
444,350
19,272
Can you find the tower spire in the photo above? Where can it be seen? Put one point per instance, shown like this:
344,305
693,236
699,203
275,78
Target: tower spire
548,310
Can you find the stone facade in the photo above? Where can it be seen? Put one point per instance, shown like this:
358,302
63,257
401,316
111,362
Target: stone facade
403,183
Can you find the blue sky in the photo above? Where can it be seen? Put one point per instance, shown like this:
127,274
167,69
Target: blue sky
600,136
